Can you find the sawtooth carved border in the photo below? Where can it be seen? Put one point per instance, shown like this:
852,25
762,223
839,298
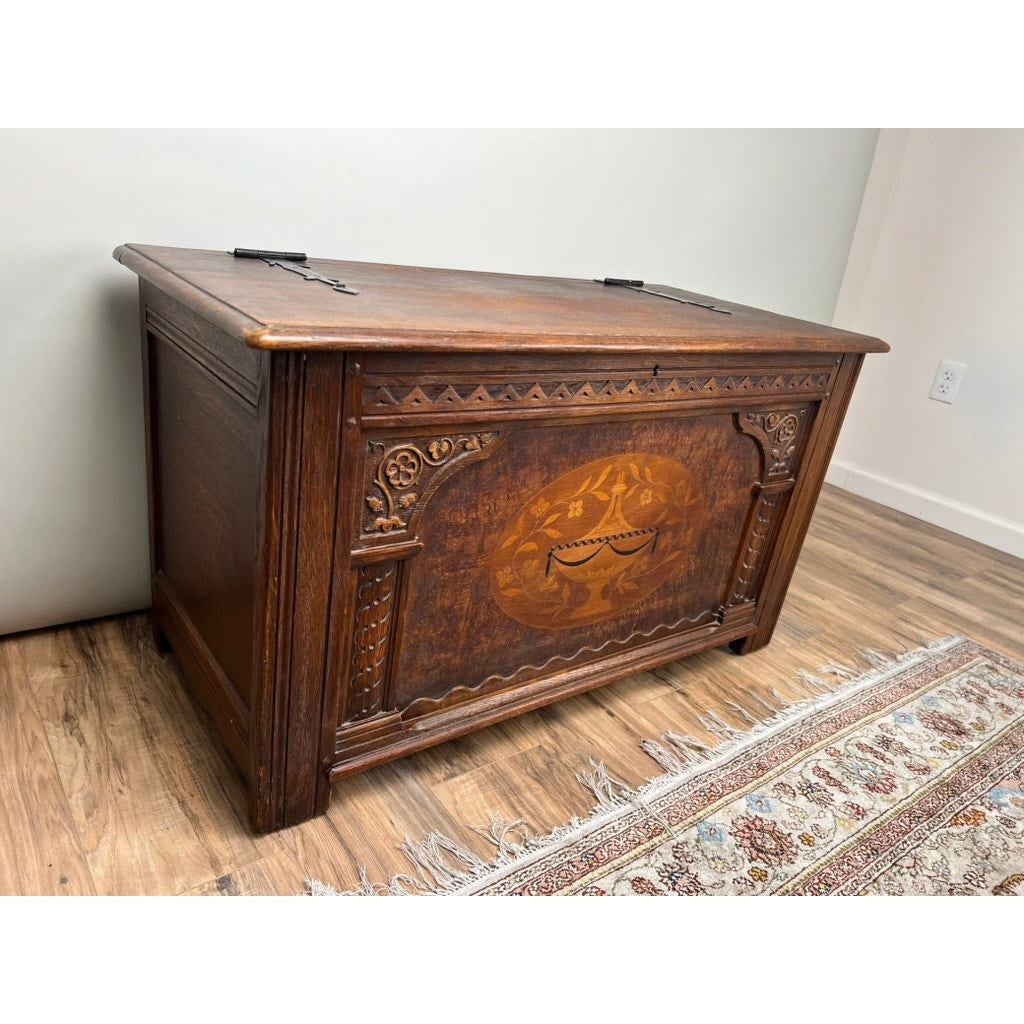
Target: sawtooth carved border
390,395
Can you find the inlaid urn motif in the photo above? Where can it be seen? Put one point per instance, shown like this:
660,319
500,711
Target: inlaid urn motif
595,541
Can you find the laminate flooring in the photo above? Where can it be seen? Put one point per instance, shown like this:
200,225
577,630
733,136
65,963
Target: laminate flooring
112,780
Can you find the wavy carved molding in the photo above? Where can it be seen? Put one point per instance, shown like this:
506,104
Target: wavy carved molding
407,473
375,600
424,705
396,396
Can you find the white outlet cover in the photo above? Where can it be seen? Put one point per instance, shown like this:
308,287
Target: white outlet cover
946,385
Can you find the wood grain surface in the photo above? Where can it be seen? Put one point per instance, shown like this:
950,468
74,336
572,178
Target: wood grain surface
427,309
113,779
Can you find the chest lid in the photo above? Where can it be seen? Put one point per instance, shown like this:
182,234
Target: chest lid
432,310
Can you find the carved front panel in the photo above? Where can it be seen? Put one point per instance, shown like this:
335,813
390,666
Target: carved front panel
569,543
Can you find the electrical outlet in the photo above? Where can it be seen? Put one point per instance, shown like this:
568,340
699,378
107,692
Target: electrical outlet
947,381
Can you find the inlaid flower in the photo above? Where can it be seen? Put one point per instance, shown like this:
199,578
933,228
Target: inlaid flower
763,841
646,496
575,509
505,577
711,832
540,508
759,803
402,469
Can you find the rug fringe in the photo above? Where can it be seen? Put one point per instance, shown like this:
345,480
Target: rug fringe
442,866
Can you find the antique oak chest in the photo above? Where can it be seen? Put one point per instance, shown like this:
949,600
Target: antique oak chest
388,515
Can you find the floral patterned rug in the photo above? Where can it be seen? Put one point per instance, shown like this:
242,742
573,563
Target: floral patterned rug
909,779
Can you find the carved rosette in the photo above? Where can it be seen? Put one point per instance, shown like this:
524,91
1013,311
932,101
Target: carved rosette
407,473
375,593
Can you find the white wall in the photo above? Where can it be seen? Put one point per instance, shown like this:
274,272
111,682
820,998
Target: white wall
544,142
937,270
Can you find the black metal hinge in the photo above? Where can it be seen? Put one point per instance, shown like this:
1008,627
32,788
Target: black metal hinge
638,286
293,261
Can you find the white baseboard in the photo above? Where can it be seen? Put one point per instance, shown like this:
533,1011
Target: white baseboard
999,533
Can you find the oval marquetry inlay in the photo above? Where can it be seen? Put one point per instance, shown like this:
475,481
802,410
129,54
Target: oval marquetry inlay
594,541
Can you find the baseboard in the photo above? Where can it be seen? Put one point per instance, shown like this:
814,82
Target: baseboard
1002,534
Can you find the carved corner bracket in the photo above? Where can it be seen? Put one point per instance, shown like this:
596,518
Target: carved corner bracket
779,435
408,473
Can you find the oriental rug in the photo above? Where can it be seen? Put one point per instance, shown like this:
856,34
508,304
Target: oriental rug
906,779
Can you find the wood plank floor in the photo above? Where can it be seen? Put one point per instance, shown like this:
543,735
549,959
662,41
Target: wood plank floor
113,781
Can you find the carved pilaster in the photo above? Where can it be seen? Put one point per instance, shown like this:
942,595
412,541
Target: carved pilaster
371,640
757,542
780,435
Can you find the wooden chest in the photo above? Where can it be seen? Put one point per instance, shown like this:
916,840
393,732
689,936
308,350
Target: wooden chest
384,519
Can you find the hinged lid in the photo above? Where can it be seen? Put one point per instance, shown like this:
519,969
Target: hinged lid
423,309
